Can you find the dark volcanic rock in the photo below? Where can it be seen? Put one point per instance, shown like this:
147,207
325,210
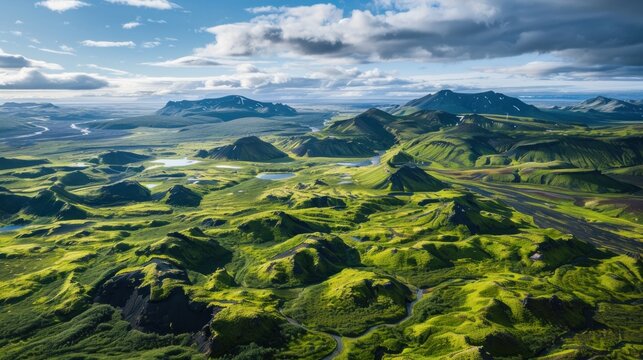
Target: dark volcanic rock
175,313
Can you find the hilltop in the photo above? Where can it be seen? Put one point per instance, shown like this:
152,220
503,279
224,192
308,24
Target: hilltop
488,102
226,108
249,148
607,105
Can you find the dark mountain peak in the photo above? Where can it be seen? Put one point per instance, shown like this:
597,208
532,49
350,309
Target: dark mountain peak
605,104
488,102
226,107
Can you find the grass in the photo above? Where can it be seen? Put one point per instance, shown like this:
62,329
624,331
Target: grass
337,249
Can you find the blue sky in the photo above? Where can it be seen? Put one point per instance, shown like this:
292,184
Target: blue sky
134,50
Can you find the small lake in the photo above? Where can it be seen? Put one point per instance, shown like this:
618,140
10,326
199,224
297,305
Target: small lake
375,160
275,176
228,167
173,163
9,228
151,186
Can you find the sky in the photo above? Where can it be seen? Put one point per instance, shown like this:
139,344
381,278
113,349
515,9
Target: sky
307,51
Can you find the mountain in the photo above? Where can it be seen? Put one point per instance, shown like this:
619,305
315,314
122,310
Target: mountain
249,148
52,112
607,105
368,125
488,102
226,108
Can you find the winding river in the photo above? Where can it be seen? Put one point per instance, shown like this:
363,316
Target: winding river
339,340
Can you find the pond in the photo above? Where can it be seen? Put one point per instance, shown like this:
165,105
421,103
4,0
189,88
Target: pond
375,160
228,167
10,228
275,176
173,163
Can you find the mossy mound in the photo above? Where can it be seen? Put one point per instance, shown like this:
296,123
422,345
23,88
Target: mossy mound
571,314
202,254
118,157
76,178
15,163
249,148
11,203
328,147
458,146
319,201
121,192
179,195
400,158
349,302
579,180
411,179
278,225
243,324
47,203
308,259
585,153
471,215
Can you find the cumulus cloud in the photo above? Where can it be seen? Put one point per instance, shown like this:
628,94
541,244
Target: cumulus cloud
588,32
152,4
106,44
14,61
32,79
62,5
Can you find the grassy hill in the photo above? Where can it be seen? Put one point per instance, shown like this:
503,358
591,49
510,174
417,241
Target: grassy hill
246,149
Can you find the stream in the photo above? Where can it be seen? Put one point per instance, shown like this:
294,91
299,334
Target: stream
339,339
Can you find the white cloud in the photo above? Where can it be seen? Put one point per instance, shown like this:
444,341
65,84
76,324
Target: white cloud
16,33
105,44
19,22
32,79
14,61
152,4
131,25
54,51
160,21
66,48
151,44
62,5
187,61
107,69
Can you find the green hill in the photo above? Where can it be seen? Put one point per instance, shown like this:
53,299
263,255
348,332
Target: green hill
76,178
197,253
458,146
15,163
249,148
409,179
368,126
118,157
301,260
591,181
278,225
582,152
356,298
120,192
312,146
179,195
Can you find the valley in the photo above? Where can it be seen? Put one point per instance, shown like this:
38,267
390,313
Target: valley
230,228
